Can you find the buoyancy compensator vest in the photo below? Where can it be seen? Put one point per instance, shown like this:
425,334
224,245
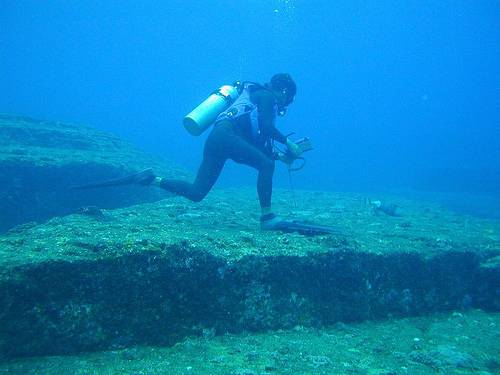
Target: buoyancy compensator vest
244,106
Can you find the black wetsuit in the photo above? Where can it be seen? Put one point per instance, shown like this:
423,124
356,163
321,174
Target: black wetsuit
232,139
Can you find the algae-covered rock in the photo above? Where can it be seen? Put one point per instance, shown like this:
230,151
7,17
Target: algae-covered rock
156,273
444,356
41,160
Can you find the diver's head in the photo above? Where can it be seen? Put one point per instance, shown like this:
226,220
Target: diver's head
284,89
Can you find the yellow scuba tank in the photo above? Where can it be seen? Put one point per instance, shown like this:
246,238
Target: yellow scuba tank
200,118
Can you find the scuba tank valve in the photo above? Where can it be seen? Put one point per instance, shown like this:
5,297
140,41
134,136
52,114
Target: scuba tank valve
200,118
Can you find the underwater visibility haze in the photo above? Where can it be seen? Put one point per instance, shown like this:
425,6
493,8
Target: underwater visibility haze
388,261
394,95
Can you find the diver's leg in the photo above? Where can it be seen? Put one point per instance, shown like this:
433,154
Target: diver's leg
245,153
214,159
265,186
208,173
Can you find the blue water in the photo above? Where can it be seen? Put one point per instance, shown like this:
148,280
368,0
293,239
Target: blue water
396,95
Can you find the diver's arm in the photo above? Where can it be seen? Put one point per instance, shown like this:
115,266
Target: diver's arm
279,137
266,104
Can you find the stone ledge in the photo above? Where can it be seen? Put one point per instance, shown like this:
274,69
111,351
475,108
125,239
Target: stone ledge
155,273
159,297
41,160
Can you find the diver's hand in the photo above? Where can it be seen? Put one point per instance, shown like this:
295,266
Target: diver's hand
285,158
293,148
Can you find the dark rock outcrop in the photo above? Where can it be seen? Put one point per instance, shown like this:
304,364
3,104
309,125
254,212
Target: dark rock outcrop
40,161
159,297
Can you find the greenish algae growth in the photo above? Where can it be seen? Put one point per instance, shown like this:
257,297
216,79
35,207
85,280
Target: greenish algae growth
451,343
177,239
226,225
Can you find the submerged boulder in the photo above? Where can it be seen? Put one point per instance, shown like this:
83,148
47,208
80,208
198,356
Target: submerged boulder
40,161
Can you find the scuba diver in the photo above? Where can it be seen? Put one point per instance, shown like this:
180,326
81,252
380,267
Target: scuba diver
244,133
243,117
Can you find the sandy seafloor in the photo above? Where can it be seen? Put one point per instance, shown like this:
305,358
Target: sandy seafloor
454,342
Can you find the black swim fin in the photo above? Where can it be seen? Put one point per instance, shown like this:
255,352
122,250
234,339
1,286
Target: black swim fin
144,177
307,229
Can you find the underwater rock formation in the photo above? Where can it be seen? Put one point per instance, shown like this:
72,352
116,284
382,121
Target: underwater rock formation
40,161
159,272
